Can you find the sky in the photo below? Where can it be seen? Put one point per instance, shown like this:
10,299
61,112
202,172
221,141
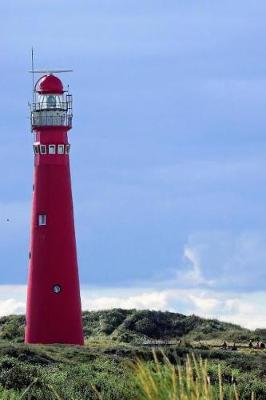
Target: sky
168,153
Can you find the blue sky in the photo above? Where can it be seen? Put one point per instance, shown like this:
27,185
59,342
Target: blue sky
168,147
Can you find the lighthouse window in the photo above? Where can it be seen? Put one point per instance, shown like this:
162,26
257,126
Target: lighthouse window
42,149
42,219
36,149
51,148
51,101
57,289
67,148
60,149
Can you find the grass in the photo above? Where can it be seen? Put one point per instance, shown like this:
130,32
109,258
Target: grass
166,381
108,377
117,338
109,370
152,381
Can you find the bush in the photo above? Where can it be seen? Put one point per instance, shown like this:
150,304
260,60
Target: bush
16,375
112,380
146,327
12,328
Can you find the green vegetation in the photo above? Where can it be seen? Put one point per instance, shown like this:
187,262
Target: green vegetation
118,361
196,380
134,326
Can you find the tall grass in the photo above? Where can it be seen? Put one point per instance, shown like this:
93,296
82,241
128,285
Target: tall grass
196,379
165,381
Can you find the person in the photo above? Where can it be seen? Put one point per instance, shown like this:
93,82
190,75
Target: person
250,345
257,345
234,347
224,345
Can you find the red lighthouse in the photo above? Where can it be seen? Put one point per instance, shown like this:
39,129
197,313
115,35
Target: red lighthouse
53,298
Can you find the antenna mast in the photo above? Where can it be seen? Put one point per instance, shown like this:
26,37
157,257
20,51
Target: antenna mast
33,80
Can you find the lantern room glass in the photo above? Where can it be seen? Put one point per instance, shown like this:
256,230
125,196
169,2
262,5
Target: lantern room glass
50,101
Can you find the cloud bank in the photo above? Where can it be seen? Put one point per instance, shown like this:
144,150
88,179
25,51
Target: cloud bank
221,275
244,308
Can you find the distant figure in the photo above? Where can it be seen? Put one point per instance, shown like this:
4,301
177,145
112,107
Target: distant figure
258,345
224,345
262,345
7,220
250,345
234,347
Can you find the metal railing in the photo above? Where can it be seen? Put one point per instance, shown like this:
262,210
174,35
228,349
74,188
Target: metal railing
62,106
41,119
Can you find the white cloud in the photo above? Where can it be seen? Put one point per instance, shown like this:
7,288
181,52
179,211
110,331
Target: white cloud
225,260
150,299
12,299
192,275
204,304
245,309
12,306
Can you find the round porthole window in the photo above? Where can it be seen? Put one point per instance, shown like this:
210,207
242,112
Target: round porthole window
57,289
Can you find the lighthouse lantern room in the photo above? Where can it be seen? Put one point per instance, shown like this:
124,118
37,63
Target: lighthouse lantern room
52,106
53,297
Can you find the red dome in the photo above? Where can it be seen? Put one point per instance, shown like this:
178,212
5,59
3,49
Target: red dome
49,84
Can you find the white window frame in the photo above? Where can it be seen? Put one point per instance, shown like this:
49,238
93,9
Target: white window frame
42,219
52,149
67,151
60,149
43,149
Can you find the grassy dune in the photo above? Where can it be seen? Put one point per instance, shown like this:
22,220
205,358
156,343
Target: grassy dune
119,363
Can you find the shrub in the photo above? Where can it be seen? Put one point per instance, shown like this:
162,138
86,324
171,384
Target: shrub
16,375
147,327
12,328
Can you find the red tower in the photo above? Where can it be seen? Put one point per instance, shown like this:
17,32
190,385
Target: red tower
53,298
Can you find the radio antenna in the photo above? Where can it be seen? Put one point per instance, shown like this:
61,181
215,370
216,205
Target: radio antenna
50,71
33,80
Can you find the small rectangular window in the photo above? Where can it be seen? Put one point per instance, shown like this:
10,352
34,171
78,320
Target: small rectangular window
42,219
67,148
60,149
43,149
51,148
36,149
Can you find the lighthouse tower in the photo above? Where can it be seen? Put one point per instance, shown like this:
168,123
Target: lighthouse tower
53,298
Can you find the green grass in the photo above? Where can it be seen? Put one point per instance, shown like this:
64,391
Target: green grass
115,339
192,381
159,379
106,372
138,326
